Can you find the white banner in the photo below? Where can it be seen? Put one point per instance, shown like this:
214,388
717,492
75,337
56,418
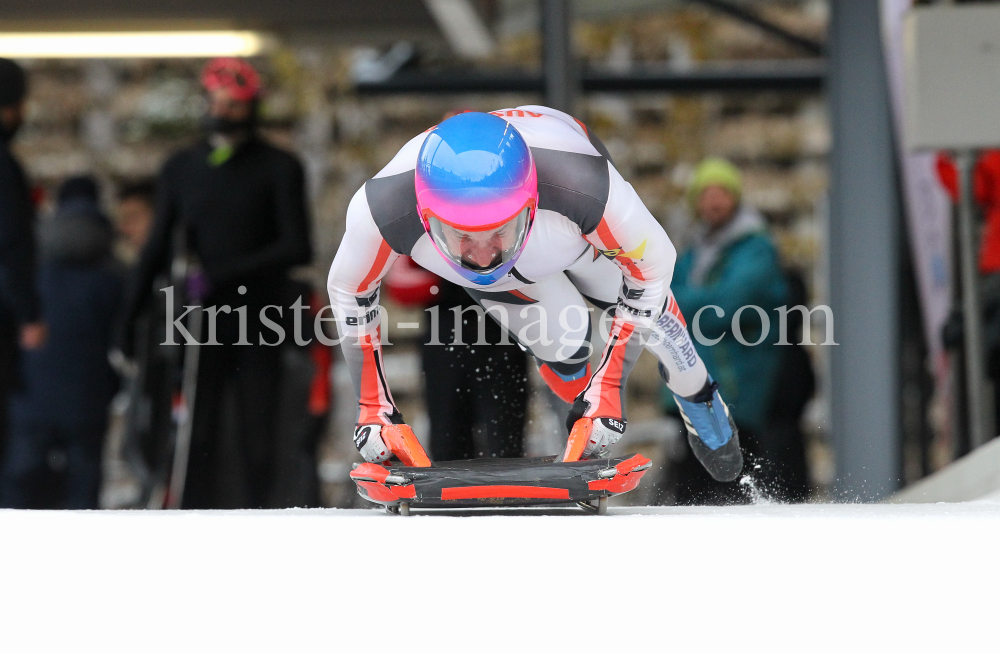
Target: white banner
928,207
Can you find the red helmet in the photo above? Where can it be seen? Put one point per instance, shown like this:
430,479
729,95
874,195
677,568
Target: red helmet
235,75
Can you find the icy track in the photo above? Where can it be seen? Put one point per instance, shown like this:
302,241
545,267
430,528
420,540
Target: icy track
815,578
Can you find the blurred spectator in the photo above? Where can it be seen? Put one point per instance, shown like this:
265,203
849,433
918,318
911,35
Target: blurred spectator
478,400
986,191
307,394
19,308
135,217
68,383
732,263
785,473
140,434
237,204
476,396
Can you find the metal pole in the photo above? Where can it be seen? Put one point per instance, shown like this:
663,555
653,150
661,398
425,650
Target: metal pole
559,67
973,329
863,258
189,395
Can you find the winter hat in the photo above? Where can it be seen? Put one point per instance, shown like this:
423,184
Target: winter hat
78,233
715,171
13,83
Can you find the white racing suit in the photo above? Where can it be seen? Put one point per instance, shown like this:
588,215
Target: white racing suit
592,239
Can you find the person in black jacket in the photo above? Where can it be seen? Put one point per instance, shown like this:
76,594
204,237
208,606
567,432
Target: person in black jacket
476,396
20,322
68,382
240,207
785,475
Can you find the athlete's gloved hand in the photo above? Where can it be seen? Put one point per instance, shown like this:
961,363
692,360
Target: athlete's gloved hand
368,440
377,443
590,438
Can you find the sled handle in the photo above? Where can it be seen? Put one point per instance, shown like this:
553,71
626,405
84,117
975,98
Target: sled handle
577,440
405,446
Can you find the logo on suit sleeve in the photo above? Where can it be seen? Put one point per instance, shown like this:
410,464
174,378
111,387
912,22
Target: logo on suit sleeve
632,293
361,436
369,300
616,253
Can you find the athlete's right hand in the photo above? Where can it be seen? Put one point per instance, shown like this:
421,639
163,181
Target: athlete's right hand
368,440
378,442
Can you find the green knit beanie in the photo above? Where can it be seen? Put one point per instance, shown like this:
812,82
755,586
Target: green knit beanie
715,171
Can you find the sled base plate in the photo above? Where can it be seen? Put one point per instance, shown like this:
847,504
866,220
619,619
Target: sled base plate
540,481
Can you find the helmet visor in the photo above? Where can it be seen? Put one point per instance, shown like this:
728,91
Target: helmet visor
481,251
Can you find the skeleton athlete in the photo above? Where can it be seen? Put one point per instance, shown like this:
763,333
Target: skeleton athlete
524,208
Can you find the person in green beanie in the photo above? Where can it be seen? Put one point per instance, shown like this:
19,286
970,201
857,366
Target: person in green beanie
731,263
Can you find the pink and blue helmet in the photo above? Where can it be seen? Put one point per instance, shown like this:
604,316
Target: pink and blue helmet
476,193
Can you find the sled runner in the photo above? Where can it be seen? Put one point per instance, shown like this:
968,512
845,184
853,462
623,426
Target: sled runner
500,482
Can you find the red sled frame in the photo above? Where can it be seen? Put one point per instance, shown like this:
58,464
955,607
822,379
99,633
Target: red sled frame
474,483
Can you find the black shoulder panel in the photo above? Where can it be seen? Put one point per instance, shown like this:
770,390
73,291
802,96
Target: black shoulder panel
598,145
393,203
575,185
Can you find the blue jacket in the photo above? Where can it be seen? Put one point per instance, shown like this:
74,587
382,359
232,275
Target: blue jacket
80,285
743,270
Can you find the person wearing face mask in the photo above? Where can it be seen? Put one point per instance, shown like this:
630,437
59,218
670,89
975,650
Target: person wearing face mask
237,205
20,315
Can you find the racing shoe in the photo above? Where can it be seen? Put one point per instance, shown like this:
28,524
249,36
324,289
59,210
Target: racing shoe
712,433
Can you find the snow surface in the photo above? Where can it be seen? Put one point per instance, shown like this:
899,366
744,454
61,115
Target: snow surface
804,578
